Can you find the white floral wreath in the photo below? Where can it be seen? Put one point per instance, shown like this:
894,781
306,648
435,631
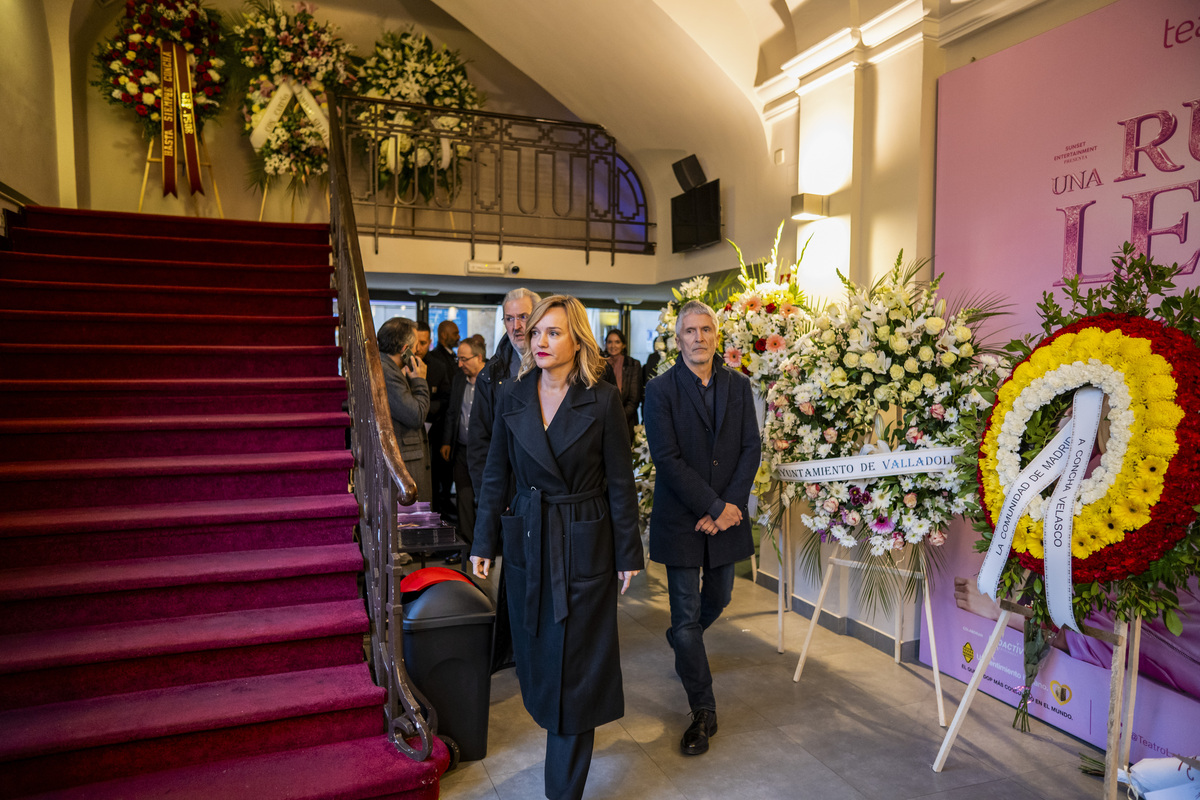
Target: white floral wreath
885,348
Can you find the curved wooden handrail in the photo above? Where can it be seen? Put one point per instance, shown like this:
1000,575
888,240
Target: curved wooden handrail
381,480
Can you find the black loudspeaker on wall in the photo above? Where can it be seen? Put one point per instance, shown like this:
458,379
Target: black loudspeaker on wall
688,173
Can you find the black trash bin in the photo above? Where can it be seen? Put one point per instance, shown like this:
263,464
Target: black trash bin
448,654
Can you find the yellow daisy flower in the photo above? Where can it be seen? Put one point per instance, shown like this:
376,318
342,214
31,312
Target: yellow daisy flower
1086,535
1146,490
1153,467
1035,548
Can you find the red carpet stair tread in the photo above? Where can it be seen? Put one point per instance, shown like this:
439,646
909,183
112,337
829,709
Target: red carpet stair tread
87,398
179,604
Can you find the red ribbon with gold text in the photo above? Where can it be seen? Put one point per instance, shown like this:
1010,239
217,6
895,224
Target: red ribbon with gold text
178,118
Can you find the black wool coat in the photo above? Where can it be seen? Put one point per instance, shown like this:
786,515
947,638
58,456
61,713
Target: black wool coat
572,527
696,465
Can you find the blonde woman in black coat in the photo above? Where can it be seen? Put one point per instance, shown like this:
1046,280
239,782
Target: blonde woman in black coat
571,540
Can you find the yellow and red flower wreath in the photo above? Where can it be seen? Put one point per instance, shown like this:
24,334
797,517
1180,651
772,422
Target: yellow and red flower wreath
1138,502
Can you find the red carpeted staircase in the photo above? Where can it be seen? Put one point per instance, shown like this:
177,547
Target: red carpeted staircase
179,603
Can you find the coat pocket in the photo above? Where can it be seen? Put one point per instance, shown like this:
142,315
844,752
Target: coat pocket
592,549
512,533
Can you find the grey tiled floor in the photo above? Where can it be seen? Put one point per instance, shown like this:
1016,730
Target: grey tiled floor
856,726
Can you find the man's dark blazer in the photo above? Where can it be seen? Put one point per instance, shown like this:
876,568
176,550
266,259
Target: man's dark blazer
441,370
487,386
449,432
696,465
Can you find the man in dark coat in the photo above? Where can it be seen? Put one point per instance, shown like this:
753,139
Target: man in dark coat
408,397
502,367
456,433
704,441
443,366
499,370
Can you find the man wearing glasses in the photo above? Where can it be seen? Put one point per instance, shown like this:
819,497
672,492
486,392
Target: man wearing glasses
455,435
503,367
499,370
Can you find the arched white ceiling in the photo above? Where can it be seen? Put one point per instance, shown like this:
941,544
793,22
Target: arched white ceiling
646,72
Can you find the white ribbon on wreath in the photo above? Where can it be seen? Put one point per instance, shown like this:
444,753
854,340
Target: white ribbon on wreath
402,143
874,460
284,92
1065,460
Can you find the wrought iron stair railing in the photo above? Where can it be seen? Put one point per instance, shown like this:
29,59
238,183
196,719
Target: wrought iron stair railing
381,481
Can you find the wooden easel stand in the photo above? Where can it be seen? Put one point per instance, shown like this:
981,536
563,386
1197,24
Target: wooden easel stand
1119,741
205,162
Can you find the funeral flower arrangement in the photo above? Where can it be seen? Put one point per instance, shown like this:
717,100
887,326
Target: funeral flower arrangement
763,318
407,67
643,476
889,351
129,61
1135,538
292,60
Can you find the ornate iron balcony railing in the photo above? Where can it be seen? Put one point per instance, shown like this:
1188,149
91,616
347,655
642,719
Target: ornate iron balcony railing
496,179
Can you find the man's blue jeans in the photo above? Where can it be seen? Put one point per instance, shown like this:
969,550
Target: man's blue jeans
694,606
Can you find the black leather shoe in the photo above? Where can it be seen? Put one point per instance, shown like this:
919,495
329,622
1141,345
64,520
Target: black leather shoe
453,558
695,738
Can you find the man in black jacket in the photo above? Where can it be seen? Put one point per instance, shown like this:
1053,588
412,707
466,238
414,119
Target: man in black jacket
704,440
456,433
502,367
408,397
443,365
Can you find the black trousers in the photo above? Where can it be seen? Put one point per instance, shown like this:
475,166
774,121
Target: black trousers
441,472
465,494
568,759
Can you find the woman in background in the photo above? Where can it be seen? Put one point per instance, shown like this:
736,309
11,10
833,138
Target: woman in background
571,539
627,373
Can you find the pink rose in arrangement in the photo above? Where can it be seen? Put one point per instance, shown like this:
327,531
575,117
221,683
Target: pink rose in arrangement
830,505
910,500
937,538
781,445
831,435
776,343
851,518
938,411
812,490
914,436
733,357
807,408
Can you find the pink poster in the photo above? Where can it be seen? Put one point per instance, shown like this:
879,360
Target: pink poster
1051,154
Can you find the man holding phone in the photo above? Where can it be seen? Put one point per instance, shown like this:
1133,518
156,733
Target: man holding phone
408,398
